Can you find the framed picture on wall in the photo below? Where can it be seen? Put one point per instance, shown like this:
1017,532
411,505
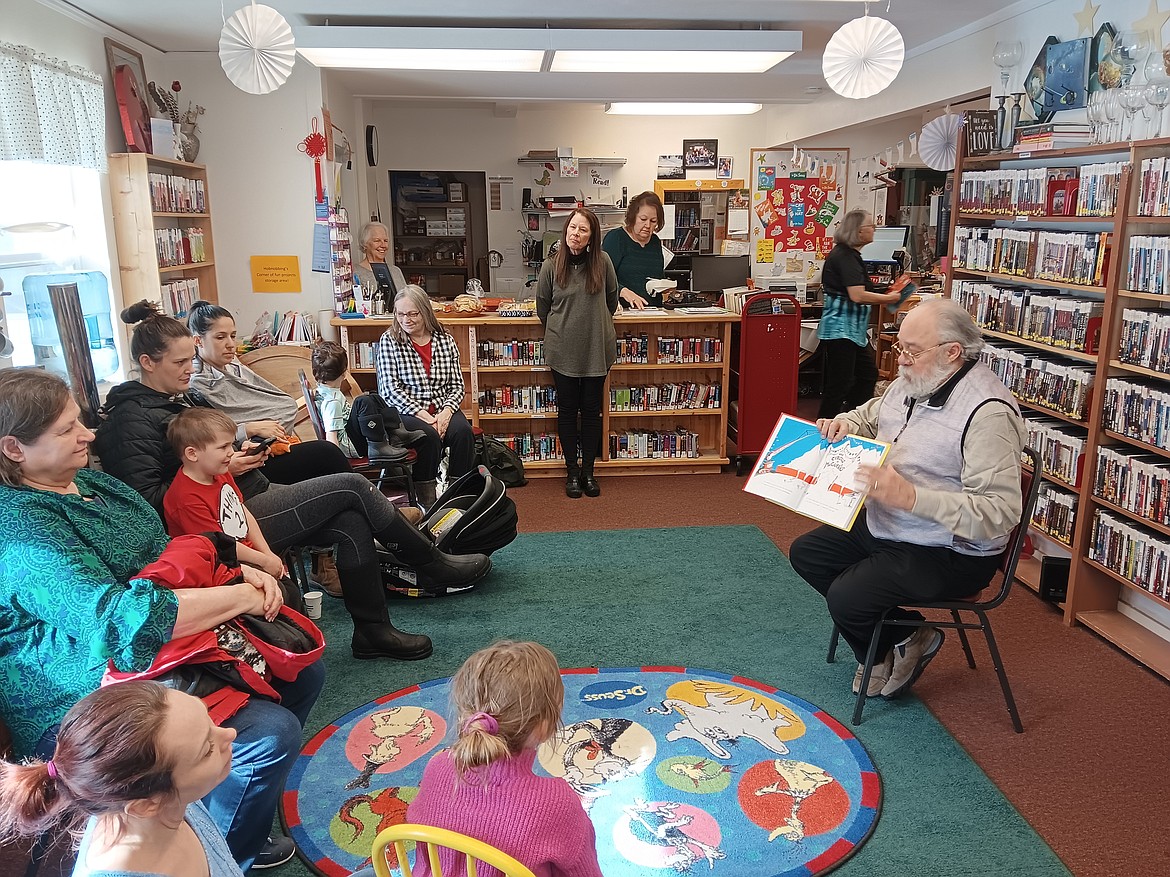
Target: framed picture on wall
128,77
723,170
670,167
700,154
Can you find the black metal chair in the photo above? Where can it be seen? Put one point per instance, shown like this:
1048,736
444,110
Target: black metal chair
383,468
976,604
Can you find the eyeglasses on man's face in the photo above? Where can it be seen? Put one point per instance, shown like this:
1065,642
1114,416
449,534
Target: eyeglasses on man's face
408,315
900,350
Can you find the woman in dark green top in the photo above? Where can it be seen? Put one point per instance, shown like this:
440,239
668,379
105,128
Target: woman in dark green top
636,251
576,295
72,542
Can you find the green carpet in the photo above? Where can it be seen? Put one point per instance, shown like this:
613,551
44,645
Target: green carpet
724,598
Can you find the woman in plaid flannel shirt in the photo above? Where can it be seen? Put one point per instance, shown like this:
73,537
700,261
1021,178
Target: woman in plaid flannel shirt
419,374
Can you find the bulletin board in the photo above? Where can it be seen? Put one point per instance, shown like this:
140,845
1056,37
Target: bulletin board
798,199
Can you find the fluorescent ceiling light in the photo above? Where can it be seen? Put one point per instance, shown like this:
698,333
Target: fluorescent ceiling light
524,49
652,61
681,109
426,59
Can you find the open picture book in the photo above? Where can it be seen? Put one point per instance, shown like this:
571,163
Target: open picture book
802,471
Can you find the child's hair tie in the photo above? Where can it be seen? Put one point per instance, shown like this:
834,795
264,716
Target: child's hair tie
486,722
51,769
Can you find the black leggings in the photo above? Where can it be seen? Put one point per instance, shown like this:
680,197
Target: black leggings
459,439
850,375
346,511
579,397
305,460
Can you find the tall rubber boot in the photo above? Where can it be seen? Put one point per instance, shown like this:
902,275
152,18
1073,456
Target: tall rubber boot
399,434
379,448
373,634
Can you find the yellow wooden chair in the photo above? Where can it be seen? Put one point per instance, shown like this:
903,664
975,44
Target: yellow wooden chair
476,851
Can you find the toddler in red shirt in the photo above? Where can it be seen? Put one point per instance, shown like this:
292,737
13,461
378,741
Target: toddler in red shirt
204,497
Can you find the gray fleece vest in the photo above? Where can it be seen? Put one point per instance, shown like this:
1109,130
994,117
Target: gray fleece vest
927,450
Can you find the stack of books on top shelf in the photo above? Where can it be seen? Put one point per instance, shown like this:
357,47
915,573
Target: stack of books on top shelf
1051,135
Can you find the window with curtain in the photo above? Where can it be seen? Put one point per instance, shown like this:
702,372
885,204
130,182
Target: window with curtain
50,111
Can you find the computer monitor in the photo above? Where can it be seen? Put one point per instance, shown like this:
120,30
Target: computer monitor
886,239
717,273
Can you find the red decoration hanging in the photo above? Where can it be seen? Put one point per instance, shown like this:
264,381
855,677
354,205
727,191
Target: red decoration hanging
314,147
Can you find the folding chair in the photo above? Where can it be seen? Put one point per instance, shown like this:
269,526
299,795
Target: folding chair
1030,483
402,469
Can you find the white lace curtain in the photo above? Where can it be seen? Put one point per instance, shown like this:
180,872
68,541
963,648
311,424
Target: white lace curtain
49,111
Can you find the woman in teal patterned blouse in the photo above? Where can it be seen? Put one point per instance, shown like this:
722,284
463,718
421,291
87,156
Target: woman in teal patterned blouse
71,543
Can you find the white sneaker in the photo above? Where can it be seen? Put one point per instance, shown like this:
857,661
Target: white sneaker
878,677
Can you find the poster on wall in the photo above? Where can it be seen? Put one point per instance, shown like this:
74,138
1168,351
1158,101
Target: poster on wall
797,200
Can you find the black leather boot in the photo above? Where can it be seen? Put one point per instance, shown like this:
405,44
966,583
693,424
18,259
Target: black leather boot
384,640
373,634
588,483
451,573
573,484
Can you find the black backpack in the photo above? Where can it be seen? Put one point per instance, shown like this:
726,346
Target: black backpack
504,463
473,516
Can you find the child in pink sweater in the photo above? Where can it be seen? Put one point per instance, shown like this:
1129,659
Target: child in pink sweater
509,698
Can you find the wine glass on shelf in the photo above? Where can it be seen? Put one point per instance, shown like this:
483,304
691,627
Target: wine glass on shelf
1129,51
1096,113
1133,98
1158,97
1113,115
1006,55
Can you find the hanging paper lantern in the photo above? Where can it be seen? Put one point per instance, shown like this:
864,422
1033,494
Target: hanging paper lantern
937,143
863,57
256,49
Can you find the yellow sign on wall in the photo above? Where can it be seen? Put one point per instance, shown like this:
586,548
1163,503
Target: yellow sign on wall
765,250
276,274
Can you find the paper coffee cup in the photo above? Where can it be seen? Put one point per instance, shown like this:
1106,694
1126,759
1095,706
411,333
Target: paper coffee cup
313,604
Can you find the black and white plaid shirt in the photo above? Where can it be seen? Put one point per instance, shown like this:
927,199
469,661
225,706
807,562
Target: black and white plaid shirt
404,383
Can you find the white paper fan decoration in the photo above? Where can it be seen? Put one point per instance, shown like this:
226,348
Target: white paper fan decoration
937,143
256,49
863,57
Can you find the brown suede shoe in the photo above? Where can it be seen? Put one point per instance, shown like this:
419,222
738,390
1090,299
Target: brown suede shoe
412,514
325,573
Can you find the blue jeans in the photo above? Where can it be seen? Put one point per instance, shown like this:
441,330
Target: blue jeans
268,740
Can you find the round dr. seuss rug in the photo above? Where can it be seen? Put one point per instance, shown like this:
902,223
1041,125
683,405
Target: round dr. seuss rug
681,771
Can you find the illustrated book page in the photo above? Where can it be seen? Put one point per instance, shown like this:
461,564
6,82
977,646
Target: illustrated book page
804,472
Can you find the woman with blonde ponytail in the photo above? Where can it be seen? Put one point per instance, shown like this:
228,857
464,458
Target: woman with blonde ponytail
131,765
508,699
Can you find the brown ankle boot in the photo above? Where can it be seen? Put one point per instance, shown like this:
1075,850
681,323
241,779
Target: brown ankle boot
325,572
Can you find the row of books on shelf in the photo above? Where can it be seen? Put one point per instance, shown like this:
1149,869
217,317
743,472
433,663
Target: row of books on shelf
1138,483
1051,135
1090,190
363,354
1135,553
507,399
516,351
174,194
1148,267
179,295
1153,187
1055,512
686,216
1064,256
686,350
1061,447
1139,410
642,444
686,240
533,448
1042,380
1145,339
665,397
179,246
1035,315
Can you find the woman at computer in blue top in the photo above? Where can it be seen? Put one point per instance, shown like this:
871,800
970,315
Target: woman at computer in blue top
636,251
850,372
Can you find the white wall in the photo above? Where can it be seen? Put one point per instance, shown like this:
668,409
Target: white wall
261,186
420,138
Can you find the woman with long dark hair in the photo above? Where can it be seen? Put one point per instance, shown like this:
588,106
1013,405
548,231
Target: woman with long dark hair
576,296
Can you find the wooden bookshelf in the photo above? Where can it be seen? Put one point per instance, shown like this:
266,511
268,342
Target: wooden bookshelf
709,424
1095,595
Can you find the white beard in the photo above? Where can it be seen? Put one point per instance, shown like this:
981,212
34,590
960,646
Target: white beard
924,383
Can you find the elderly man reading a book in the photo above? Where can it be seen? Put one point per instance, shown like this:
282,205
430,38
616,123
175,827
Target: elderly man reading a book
940,508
